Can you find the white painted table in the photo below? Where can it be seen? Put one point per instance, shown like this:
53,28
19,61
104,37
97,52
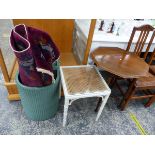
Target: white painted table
82,82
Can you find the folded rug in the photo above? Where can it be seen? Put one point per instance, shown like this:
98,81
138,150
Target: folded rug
35,52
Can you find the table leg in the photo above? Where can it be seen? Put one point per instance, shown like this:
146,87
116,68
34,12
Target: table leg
98,104
66,104
104,101
150,102
128,95
111,81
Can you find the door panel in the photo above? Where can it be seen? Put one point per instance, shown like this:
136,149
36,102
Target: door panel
61,30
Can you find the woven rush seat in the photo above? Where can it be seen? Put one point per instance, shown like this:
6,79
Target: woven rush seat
83,80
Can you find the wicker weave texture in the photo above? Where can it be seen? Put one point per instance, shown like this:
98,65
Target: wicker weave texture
81,80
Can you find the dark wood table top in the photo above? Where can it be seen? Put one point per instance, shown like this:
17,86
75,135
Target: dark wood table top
119,62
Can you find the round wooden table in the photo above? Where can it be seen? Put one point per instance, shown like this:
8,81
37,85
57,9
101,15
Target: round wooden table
121,63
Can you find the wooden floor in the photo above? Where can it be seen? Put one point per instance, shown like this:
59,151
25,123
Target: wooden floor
67,59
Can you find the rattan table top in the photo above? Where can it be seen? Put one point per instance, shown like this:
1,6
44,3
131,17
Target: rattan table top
80,80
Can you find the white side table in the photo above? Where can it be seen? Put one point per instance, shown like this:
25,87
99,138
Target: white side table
82,82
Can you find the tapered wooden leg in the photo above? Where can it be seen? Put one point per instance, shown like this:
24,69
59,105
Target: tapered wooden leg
150,102
111,81
128,95
98,104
